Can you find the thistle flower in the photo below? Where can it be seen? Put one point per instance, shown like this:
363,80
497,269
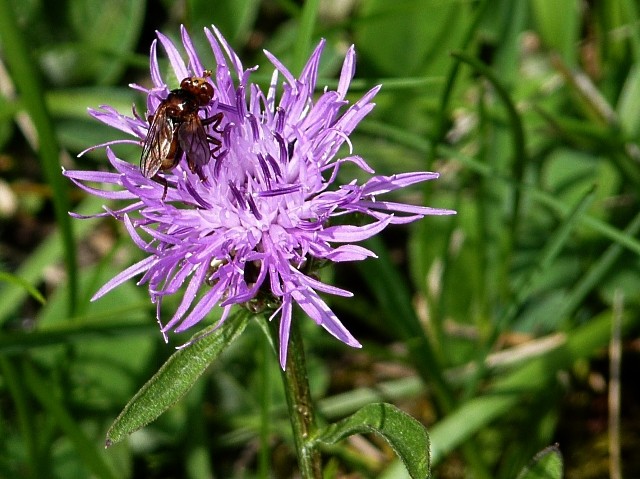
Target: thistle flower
252,223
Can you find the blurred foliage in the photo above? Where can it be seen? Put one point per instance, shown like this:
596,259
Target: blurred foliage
490,327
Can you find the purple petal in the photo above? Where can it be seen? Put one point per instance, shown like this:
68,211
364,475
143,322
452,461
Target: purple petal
189,295
318,310
94,176
140,243
309,73
281,68
156,77
110,117
349,233
235,60
174,57
125,275
204,307
347,252
405,208
194,60
106,144
322,287
285,326
357,112
110,195
384,184
348,70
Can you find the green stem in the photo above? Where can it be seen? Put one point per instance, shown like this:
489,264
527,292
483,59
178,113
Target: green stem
265,410
301,411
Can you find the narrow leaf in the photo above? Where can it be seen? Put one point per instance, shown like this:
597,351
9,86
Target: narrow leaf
505,393
305,33
17,280
175,377
48,252
45,393
405,435
558,24
23,70
547,464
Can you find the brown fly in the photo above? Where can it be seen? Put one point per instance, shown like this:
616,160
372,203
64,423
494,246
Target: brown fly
176,127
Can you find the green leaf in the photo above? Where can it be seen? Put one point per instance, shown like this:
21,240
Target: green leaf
424,32
547,464
176,377
407,437
47,395
534,376
31,270
21,282
629,102
235,18
18,57
105,39
559,26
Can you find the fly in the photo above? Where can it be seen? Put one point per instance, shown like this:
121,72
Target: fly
176,127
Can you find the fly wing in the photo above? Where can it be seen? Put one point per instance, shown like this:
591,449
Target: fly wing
157,145
193,141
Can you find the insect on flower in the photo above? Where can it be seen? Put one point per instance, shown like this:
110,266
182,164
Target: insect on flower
176,127
277,210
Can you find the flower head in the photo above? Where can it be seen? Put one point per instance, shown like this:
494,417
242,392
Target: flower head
253,220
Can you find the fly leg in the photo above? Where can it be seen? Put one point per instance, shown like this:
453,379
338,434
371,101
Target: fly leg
217,145
214,121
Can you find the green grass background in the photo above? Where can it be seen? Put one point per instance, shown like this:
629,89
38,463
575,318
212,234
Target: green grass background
492,327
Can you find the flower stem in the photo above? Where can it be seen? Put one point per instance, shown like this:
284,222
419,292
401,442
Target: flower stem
301,412
264,453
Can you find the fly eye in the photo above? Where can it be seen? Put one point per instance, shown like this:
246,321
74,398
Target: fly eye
205,92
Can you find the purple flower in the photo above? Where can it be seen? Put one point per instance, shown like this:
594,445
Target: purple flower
252,223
